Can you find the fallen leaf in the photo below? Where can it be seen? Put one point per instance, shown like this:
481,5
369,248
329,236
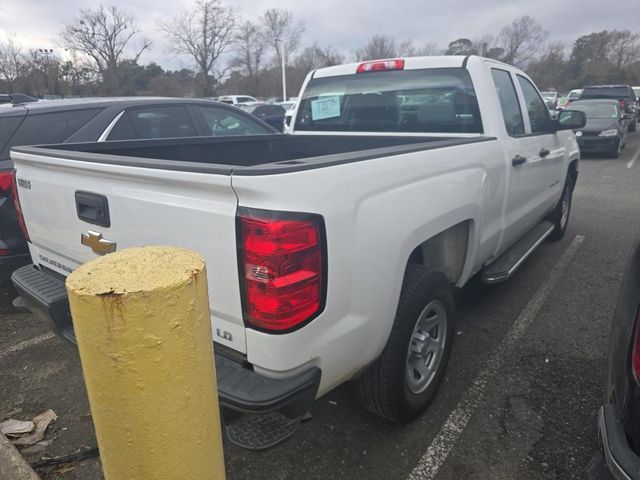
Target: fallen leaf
42,421
13,427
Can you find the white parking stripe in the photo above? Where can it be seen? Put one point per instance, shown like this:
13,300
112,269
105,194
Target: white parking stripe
27,343
633,160
452,429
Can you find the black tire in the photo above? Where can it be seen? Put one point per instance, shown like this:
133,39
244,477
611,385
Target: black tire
560,224
383,388
615,153
633,126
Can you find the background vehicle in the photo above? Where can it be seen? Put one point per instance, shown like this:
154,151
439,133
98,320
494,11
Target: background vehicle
288,105
236,99
551,98
619,418
102,120
636,90
334,251
624,94
606,128
271,114
574,94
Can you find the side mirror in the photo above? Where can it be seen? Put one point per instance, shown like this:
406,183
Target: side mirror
571,120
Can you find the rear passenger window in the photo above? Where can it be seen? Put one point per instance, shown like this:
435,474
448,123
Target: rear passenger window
221,121
154,122
55,127
511,111
536,108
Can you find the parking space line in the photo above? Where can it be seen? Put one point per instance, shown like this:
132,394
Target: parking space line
633,160
442,444
27,343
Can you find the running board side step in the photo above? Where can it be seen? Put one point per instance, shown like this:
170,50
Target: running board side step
505,266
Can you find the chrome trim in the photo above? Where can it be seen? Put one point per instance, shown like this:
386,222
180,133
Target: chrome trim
507,275
105,134
612,463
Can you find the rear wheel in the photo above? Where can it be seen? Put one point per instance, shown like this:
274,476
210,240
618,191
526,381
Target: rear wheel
402,382
562,212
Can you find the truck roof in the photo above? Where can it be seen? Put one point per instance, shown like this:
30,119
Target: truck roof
410,63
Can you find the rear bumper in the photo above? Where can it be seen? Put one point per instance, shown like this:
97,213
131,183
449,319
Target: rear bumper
240,389
622,461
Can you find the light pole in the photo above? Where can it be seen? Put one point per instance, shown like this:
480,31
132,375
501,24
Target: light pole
284,71
46,52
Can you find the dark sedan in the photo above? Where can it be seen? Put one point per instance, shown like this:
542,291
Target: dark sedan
104,119
619,418
606,128
271,114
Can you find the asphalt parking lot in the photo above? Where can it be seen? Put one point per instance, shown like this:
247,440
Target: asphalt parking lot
519,400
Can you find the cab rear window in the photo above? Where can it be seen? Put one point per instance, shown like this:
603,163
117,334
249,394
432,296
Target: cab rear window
438,100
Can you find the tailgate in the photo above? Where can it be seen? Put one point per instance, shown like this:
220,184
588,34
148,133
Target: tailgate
146,206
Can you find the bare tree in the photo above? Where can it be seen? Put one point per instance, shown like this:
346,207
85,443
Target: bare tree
522,40
281,31
429,48
204,32
380,46
12,62
105,36
249,52
315,56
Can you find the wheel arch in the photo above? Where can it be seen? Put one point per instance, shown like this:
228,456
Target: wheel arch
445,252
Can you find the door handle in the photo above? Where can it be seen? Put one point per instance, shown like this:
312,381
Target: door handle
518,160
544,152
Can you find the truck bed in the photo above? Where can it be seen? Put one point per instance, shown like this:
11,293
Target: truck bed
247,155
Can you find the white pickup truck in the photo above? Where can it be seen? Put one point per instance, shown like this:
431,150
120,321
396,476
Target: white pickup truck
333,253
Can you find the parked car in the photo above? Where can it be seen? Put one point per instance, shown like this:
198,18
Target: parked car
101,120
574,95
636,91
327,265
288,105
551,98
237,99
606,128
271,114
619,417
624,94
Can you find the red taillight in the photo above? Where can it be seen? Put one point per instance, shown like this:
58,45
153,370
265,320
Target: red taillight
379,65
6,181
635,352
623,104
16,202
4,252
282,268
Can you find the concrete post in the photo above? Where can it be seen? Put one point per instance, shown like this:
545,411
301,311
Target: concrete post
141,317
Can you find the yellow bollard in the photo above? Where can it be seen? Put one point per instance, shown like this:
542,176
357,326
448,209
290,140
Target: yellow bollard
141,317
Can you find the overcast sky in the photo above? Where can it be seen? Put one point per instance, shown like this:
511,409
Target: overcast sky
344,24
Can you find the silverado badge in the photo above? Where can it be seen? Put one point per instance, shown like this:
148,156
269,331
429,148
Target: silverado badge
97,243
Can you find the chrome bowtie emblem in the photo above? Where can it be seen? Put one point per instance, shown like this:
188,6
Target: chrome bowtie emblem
97,243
